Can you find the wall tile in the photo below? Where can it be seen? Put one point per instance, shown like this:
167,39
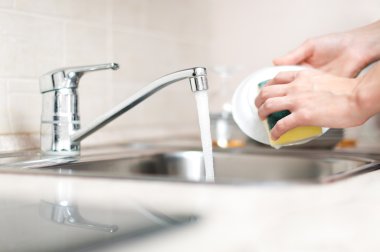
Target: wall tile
6,3
29,46
25,117
131,13
193,55
85,44
5,127
185,20
19,142
143,58
180,20
88,10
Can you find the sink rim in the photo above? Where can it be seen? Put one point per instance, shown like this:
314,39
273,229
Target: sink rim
127,152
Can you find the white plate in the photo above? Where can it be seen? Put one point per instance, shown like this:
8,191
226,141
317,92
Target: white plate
243,109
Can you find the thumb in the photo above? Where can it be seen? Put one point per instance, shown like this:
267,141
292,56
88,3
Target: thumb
297,56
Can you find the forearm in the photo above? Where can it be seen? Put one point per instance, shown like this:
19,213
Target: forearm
367,93
367,38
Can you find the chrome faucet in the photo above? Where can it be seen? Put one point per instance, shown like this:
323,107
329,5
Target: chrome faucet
60,121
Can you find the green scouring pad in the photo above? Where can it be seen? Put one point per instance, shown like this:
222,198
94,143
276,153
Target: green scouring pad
273,118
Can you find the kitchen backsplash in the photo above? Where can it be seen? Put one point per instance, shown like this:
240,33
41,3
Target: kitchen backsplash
148,38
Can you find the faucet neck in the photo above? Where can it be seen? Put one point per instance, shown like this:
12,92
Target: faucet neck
198,82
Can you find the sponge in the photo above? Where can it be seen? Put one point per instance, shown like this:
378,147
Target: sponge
294,136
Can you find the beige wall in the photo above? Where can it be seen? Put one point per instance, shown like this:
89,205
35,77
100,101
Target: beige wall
250,33
149,38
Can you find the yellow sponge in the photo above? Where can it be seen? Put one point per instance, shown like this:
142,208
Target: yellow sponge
294,136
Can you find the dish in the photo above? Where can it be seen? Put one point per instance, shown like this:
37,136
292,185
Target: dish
245,112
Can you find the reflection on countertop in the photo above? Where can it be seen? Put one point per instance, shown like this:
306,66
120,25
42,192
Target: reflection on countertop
61,221
231,218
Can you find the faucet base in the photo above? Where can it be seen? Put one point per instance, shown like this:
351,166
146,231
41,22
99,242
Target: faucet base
56,141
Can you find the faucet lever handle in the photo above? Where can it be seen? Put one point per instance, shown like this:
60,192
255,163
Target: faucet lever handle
80,70
69,77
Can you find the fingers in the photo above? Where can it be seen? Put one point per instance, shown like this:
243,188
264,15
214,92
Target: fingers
296,56
270,92
285,124
283,78
275,104
272,89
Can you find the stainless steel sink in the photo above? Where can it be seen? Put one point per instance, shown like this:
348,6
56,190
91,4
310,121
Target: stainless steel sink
264,166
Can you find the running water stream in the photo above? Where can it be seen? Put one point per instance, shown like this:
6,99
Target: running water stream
201,99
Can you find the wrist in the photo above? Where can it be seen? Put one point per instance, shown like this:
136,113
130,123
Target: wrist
359,109
367,38
366,96
372,51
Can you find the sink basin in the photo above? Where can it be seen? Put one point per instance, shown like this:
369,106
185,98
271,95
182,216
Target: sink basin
274,167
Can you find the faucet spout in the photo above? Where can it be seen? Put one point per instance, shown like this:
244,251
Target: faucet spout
198,82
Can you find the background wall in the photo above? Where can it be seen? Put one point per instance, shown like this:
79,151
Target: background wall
149,38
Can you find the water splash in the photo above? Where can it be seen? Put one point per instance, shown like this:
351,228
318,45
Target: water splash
201,98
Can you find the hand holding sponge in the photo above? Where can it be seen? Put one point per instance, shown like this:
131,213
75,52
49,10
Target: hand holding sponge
246,116
294,136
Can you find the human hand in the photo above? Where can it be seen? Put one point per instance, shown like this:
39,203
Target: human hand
314,98
343,54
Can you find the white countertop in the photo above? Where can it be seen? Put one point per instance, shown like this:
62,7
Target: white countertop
342,216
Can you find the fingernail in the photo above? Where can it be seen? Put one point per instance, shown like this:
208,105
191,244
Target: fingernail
273,137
